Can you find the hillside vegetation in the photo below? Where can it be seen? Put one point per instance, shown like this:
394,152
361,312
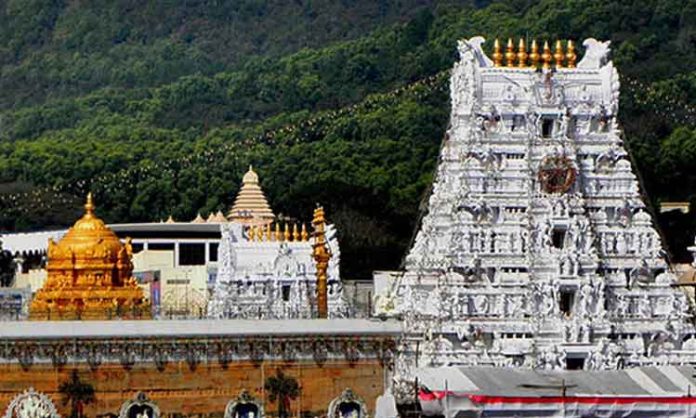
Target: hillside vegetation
352,120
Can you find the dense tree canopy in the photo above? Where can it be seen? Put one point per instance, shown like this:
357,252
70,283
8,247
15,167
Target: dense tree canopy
160,111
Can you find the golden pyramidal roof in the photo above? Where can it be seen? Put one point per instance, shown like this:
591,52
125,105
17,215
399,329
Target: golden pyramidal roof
251,206
89,275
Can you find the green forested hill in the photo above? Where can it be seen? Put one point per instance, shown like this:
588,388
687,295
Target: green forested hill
59,48
165,118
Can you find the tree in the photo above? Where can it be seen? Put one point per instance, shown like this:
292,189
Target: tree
77,393
6,267
282,388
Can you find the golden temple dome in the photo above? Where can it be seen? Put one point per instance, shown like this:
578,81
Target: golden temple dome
88,233
251,207
89,275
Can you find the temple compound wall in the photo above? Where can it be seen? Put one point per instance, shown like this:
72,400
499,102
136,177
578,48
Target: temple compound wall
197,368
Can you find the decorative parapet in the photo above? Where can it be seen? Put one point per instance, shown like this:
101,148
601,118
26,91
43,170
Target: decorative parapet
268,233
562,56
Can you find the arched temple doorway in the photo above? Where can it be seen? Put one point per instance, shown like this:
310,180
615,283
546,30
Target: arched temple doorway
31,404
139,407
244,406
348,405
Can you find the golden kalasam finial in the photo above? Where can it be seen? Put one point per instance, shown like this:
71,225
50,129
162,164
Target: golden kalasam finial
559,55
322,255
510,54
570,54
295,233
522,54
546,56
269,235
278,234
286,233
252,233
89,205
534,55
497,54
304,235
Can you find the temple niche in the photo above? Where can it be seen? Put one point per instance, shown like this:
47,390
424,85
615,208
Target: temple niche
89,276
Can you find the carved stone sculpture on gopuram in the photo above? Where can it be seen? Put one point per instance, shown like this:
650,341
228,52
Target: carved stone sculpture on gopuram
89,276
536,249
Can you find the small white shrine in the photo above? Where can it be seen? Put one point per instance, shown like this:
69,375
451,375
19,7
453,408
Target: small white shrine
536,250
267,271
261,278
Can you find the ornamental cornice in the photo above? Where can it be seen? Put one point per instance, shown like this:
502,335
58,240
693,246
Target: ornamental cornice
160,351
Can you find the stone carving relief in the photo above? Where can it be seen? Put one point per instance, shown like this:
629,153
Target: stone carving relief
31,404
596,53
347,405
244,406
139,407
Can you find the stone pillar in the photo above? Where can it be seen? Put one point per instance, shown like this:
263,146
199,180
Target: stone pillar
176,253
322,255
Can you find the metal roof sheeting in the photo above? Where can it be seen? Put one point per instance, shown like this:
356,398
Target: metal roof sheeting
506,392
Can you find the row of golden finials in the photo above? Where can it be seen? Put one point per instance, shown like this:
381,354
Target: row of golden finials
548,59
266,233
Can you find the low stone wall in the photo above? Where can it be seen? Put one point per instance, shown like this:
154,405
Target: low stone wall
196,368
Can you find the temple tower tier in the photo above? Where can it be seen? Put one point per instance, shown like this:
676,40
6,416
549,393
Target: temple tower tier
536,249
251,207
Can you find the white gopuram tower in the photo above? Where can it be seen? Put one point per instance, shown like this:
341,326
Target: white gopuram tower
536,250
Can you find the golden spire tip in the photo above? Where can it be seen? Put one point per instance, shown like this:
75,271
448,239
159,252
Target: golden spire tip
522,54
570,54
497,54
89,205
546,56
534,54
510,54
559,55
